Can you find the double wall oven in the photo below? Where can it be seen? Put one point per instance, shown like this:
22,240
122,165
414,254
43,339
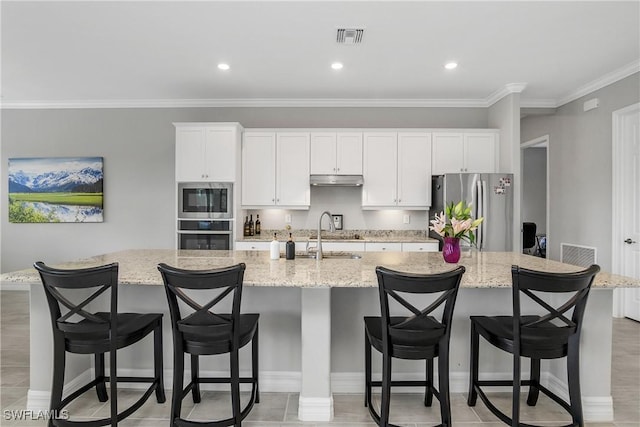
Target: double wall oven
205,216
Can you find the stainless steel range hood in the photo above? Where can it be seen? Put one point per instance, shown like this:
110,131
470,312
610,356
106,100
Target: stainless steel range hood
336,180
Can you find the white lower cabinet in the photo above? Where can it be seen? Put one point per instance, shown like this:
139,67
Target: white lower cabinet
266,246
420,247
383,246
333,246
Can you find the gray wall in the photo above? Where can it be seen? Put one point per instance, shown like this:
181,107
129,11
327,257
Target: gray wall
580,156
505,115
534,187
138,150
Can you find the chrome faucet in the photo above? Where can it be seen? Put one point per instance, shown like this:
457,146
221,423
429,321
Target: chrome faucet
332,228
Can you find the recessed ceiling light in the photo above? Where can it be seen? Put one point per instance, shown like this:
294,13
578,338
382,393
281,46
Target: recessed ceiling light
450,65
223,66
337,65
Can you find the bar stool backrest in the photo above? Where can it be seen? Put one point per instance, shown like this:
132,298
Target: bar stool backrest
63,310
391,282
554,324
202,320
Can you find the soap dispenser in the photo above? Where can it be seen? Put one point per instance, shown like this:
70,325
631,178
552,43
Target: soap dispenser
275,248
290,248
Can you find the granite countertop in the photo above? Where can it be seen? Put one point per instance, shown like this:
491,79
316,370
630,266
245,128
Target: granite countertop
484,269
346,236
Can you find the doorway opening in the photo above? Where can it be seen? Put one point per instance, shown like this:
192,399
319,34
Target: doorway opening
535,191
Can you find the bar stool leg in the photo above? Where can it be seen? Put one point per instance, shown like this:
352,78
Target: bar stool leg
573,375
59,356
157,363
101,388
532,399
443,384
473,368
113,383
428,392
254,364
235,386
178,383
195,372
386,389
515,398
367,371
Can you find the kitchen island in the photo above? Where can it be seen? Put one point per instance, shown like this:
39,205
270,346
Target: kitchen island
311,320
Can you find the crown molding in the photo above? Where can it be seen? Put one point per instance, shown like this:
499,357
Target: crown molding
607,79
508,89
264,102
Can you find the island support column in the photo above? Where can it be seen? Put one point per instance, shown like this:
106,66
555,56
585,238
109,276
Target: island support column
316,401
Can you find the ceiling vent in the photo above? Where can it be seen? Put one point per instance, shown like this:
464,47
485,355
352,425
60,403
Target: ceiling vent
350,35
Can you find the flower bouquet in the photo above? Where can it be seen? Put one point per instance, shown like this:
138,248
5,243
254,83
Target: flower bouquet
453,224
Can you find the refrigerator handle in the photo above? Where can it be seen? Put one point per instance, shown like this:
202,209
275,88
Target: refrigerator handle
479,213
484,208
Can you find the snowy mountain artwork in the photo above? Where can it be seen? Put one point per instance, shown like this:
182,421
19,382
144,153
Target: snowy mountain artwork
55,189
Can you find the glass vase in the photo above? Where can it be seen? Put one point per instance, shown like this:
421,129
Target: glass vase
451,249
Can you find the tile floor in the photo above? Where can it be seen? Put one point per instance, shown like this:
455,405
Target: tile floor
280,409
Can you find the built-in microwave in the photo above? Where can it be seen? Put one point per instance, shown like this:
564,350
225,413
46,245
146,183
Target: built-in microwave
205,200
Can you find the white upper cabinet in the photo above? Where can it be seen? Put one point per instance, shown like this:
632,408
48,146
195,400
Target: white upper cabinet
470,152
275,169
336,153
380,169
414,169
397,170
292,166
481,150
207,152
259,168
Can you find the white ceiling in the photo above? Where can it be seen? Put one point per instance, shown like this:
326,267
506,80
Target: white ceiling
164,53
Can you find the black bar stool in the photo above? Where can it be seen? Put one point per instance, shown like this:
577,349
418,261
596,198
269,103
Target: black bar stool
203,332
549,336
418,336
96,333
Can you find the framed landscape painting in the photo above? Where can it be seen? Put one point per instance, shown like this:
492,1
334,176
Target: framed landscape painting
55,189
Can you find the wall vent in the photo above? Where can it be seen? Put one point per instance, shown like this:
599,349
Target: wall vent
582,256
349,35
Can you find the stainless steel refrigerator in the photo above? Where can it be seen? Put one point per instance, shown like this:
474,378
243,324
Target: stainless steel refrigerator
491,196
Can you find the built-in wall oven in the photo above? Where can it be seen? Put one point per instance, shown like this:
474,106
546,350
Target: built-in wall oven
205,216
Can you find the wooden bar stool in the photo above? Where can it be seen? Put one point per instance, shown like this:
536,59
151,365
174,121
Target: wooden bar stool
198,331
548,336
96,333
417,336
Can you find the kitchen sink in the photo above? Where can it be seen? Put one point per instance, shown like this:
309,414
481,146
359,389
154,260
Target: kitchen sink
330,237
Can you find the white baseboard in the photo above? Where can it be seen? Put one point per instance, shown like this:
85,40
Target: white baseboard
9,286
39,400
315,408
596,408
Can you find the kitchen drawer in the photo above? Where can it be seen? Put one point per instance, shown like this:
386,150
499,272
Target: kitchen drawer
383,246
252,246
420,247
